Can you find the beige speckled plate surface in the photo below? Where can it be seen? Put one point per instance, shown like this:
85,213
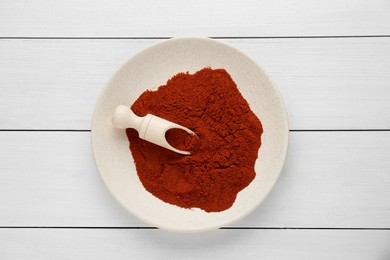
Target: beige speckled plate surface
151,68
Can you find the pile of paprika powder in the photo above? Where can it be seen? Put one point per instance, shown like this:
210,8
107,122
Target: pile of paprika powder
221,163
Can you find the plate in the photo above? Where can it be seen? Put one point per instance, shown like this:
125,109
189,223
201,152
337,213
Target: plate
150,69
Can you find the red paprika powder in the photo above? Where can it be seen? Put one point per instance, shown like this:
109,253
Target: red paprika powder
221,164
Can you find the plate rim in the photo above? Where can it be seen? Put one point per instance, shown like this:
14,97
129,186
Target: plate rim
274,87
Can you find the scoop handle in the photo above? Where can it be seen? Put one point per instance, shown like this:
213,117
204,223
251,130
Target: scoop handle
125,118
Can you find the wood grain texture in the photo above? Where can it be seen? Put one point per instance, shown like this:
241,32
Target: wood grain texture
101,18
330,180
222,244
326,83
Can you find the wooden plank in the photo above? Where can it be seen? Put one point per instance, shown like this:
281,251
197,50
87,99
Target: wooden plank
326,83
330,180
153,18
222,244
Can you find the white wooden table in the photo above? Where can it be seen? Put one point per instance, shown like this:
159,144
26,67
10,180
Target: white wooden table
330,59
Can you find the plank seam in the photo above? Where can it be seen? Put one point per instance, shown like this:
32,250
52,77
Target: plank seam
217,37
224,228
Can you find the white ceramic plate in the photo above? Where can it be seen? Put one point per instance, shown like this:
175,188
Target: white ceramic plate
151,68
